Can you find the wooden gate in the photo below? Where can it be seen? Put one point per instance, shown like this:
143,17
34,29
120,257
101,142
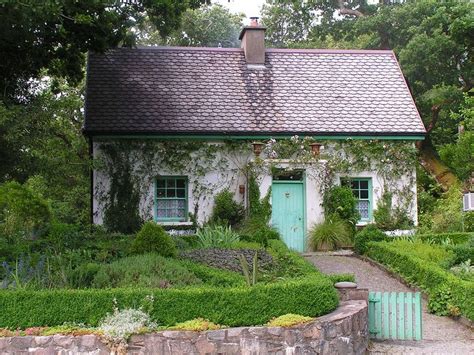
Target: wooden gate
395,315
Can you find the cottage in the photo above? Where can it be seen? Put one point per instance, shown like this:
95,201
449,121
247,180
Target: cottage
171,127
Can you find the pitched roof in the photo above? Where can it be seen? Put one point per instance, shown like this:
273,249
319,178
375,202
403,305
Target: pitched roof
213,91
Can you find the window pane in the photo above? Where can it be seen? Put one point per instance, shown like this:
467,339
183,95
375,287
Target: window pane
170,193
160,183
363,207
180,183
160,193
170,183
355,184
181,193
364,184
364,194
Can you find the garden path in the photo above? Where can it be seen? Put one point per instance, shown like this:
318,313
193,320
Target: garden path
441,335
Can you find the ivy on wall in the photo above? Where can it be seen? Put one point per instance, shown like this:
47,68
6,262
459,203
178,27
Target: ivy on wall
136,163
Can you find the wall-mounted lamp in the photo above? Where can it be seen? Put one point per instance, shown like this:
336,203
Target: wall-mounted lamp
242,189
316,148
257,148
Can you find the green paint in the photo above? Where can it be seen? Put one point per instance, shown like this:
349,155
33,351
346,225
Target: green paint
418,314
288,214
262,137
395,315
156,198
401,315
409,319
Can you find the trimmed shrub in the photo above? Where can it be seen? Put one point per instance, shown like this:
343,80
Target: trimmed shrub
341,277
226,211
310,296
340,201
148,270
367,234
427,275
288,262
329,235
153,238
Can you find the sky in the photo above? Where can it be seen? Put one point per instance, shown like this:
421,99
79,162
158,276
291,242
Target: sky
248,7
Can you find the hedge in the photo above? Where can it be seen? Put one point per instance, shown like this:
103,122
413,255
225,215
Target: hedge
438,238
426,275
310,296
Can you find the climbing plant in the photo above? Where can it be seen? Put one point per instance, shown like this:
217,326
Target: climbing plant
132,166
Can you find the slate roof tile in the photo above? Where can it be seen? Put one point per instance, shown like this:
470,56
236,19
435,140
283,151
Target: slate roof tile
212,91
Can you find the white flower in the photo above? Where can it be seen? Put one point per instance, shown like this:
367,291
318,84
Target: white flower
121,324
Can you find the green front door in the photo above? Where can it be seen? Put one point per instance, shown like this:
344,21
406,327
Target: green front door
288,213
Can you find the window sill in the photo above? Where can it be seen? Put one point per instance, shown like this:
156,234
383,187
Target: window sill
177,223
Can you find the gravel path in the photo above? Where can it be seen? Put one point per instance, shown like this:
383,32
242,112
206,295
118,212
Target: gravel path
441,335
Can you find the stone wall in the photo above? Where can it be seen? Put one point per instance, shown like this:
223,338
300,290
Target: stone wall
344,331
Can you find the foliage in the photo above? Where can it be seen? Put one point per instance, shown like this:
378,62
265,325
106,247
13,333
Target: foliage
83,276
148,270
464,270
439,238
289,320
250,277
367,234
440,302
226,211
446,216
387,217
121,212
153,238
340,201
341,277
259,209
261,235
196,325
23,214
207,26
433,253
216,237
55,35
311,296
425,274
289,264
459,155
330,234
121,324
228,259
462,253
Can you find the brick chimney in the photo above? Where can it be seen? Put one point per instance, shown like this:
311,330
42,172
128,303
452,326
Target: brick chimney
253,42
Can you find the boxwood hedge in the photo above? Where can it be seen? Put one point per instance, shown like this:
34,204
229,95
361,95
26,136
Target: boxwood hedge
425,274
311,295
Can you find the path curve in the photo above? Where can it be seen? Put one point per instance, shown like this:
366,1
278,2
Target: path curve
441,335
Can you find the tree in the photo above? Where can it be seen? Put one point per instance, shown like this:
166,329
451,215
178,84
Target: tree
208,26
433,41
54,35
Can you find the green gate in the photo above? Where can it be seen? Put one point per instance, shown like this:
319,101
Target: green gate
395,315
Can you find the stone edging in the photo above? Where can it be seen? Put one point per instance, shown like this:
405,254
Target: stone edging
343,331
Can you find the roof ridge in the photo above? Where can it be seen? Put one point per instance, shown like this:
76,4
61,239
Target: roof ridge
269,50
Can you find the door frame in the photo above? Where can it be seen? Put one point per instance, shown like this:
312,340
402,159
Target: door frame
303,183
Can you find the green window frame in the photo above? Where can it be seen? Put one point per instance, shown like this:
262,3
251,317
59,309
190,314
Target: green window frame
362,190
171,199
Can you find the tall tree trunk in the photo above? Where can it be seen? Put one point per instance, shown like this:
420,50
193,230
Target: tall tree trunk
435,167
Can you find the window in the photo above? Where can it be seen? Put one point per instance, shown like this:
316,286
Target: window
362,190
171,202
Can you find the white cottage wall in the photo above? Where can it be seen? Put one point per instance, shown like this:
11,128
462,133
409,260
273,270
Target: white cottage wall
220,180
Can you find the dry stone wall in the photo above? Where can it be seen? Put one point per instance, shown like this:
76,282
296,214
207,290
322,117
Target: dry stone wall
344,331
